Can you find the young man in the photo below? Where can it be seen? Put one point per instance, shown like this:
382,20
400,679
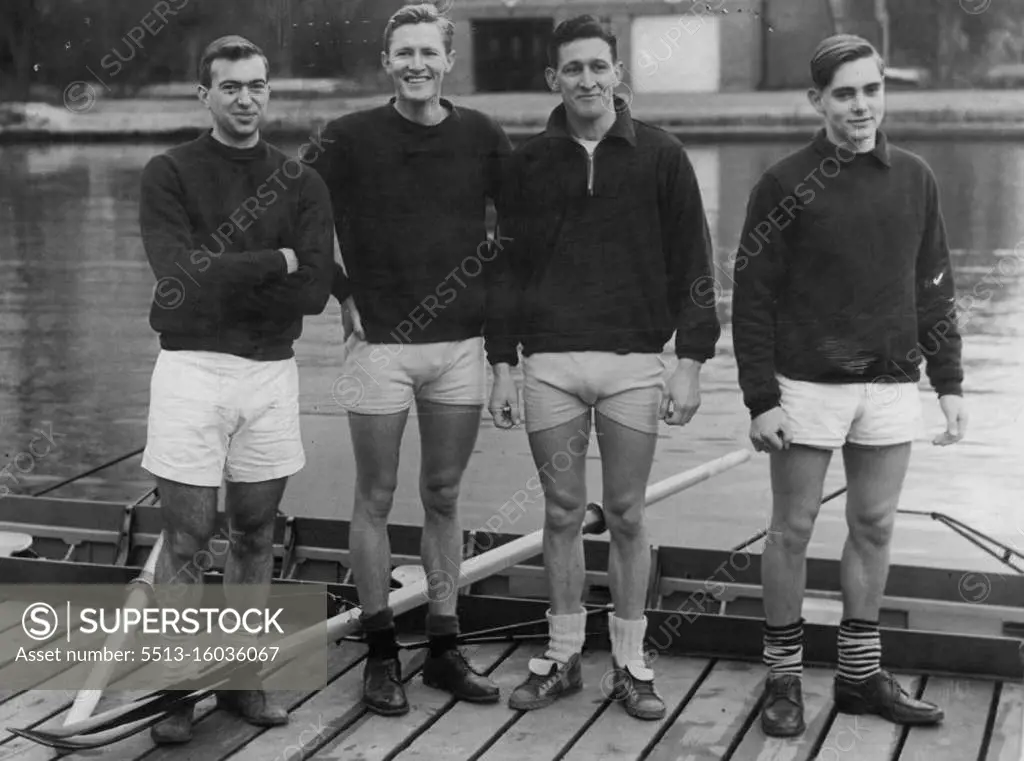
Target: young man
409,183
240,239
608,237
842,283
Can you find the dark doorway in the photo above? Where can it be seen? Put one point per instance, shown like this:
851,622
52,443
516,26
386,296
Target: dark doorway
510,54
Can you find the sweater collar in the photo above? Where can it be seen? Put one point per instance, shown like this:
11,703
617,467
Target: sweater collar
453,115
257,151
827,148
558,123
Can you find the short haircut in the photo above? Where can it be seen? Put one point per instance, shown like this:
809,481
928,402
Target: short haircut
836,50
231,47
583,27
420,13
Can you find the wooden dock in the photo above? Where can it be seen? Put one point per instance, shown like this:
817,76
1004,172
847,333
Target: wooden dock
713,714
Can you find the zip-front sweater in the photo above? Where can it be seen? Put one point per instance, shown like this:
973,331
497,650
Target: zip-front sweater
213,219
410,204
606,252
843,274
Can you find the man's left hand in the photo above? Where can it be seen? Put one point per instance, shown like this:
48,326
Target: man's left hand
956,420
682,397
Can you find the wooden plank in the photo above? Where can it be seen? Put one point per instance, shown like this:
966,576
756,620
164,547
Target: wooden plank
375,737
756,746
865,738
49,698
465,728
966,703
716,714
326,715
219,733
617,735
541,733
11,612
1006,742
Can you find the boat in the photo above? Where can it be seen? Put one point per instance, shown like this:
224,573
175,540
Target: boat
943,640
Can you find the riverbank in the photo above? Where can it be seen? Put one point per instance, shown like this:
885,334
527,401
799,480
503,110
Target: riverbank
986,114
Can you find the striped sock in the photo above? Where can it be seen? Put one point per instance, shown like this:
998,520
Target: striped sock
860,649
784,648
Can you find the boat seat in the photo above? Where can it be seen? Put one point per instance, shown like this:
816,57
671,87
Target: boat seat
12,542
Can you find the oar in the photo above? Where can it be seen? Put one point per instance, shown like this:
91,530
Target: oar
400,601
86,699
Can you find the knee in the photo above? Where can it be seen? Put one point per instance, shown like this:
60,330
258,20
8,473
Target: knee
624,515
186,545
793,532
252,540
873,528
376,496
563,510
441,493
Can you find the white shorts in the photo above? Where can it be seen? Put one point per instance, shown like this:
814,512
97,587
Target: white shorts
383,379
216,417
829,415
561,386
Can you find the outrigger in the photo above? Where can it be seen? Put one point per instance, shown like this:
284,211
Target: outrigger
703,609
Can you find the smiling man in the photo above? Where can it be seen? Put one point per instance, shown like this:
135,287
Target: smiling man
608,248
409,183
236,269
849,288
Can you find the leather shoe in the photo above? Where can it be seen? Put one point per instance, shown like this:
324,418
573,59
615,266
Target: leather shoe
881,694
253,706
383,692
452,673
782,714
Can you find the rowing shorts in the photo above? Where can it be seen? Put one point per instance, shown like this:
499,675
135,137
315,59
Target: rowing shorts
829,415
217,416
561,386
383,379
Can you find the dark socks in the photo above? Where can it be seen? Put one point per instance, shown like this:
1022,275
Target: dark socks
442,633
860,649
784,648
379,634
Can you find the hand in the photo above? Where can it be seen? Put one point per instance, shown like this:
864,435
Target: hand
682,396
291,260
351,322
956,420
770,431
505,404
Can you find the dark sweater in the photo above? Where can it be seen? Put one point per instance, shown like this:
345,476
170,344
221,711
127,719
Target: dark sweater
410,205
213,218
843,274
612,254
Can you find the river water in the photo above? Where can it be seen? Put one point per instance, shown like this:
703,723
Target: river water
76,350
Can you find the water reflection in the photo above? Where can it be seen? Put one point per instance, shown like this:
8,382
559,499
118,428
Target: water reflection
76,350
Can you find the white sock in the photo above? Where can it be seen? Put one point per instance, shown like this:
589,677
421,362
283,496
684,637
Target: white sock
627,637
566,633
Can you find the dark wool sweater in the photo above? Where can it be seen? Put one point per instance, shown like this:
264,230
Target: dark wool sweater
843,274
410,205
605,254
213,218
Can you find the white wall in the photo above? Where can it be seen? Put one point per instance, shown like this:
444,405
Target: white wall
679,53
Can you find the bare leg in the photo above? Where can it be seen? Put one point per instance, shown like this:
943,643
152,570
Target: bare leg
798,477
875,479
251,509
626,459
189,514
448,434
560,454
376,440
